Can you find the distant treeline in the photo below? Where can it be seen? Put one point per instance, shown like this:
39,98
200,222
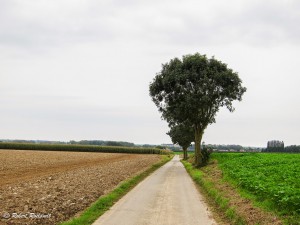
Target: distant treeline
32,141
225,147
81,148
102,143
232,147
83,142
291,148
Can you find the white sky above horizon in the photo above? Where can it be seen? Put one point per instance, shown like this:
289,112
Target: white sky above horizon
80,70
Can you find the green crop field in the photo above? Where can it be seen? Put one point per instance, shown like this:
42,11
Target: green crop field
273,179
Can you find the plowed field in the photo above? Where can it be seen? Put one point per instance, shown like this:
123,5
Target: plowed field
40,187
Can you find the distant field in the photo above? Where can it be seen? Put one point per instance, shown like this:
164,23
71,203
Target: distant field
81,148
272,178
61,183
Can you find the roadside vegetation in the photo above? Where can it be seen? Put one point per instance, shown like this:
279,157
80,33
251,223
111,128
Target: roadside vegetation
104,203
251,188
181,153
82,148
215,198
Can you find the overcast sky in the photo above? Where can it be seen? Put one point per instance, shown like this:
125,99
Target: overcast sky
80,69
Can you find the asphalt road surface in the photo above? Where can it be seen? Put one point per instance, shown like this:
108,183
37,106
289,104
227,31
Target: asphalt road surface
166,197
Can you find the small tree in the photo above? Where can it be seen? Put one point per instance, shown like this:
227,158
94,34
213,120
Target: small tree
192,90
183,135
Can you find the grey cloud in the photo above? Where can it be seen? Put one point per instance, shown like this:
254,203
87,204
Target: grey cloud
52,28
270,23
258,24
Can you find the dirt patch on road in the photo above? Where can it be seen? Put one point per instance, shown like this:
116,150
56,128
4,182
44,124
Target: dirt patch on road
57,185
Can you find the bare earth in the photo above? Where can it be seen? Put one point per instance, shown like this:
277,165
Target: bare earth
167,197
59,185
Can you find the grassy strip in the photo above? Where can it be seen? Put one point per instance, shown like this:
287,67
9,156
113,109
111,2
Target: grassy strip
218,199
181,152
105,202
81,148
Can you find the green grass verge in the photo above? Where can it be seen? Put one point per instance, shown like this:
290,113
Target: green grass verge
181,152
212,193
105,202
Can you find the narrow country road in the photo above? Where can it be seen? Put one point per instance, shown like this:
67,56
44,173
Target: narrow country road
166,197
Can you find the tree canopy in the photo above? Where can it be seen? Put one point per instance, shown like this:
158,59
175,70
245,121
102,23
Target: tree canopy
183,135
192,89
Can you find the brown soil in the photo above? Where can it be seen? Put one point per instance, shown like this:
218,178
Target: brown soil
60,183
244,207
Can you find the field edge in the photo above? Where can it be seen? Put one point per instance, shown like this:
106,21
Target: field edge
98,208
265,205
215,199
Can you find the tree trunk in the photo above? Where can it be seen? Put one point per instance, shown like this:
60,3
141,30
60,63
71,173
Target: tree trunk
198,138
185,154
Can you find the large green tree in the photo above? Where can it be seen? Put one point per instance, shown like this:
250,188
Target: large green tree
192,89
183,135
